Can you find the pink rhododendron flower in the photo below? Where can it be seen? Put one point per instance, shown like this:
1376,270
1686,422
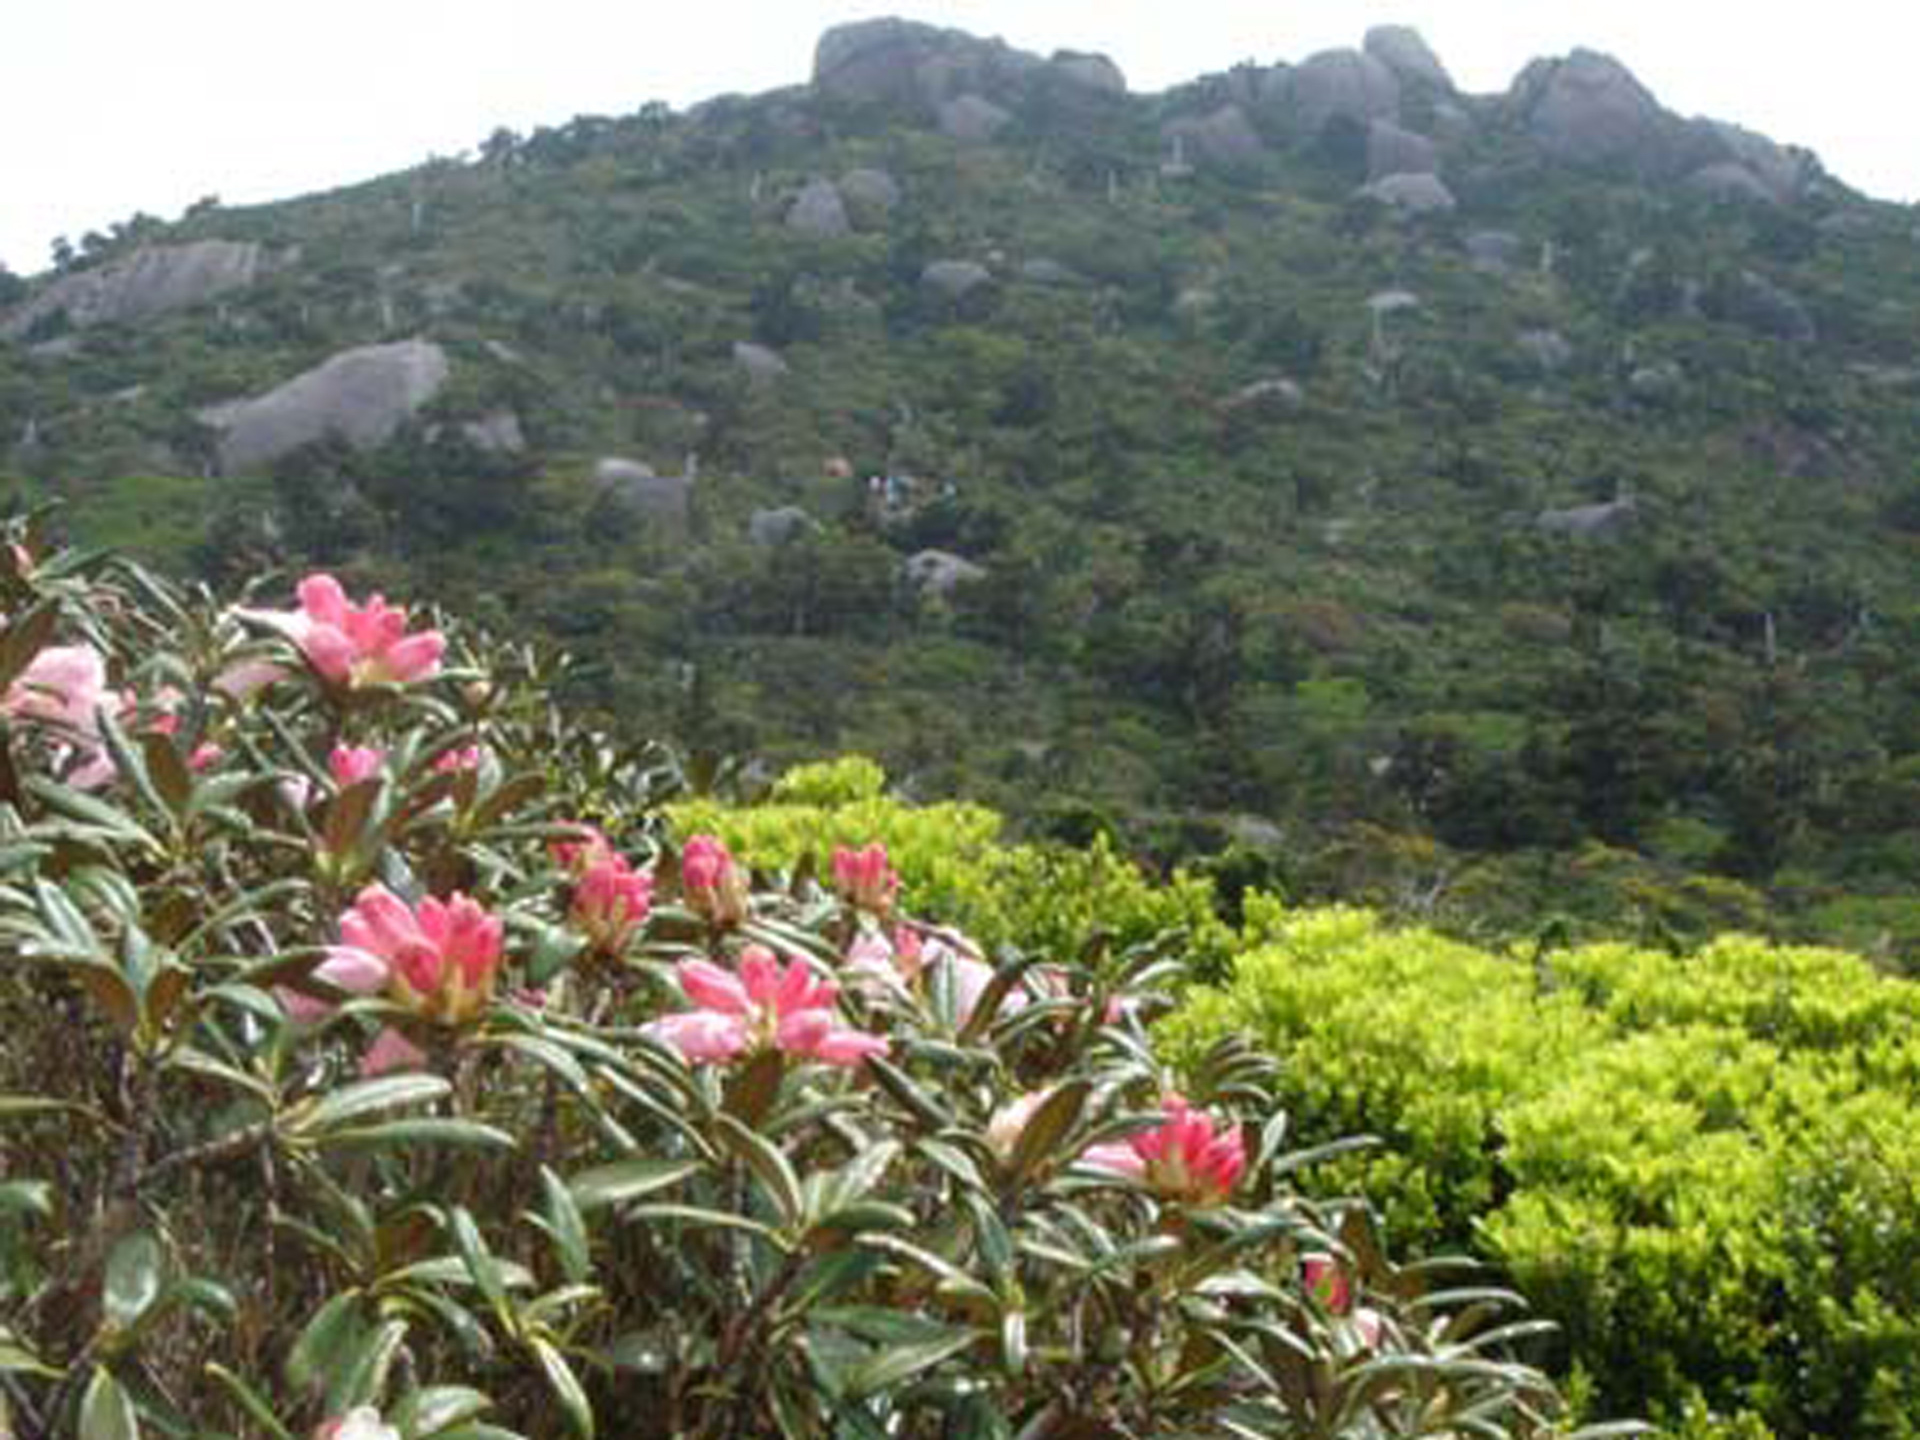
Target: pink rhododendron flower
864,879
1184,1158
356,645
579,854
713,884
361,1423
62,691
764,1006
205,756
463,757
611,901
350,764
1326,1281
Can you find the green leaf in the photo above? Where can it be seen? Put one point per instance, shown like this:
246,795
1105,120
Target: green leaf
891,1367
425,1131
481,1265
361,1373
427,1412
136,1270
565,1226
250,1400
770,1167
565,1386
627,1180
106,1410
317,1351
362,1097
18,1197
1041,1137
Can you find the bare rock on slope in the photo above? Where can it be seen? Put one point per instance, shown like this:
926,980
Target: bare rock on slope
1403,50
361,396
151,281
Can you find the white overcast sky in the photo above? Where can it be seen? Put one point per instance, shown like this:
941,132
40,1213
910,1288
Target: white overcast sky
108,107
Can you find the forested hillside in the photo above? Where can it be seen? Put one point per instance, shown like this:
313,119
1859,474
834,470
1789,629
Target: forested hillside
1499,509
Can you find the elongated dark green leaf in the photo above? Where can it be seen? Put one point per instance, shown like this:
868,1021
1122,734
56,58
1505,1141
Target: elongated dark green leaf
426,1131
481,1265
429,1411
918,1102
250,1400
770,1167
361,1373
627,1180
565,1226
903,1362
565,1386
317,1350
362,1097
1040,1138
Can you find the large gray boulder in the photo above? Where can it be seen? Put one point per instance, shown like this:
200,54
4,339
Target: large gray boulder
971,118
955,279
1588,522
903,61
153,280
936,574
773,528
1343,84
1784,172
1088,71
869,192
1223,139
1411,194
1403,50
817,211
1589,109
631,485
360,396
762,366
496,433
1393,151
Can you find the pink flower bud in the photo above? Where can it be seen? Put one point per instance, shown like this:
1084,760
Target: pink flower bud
864,879
350,764
714,886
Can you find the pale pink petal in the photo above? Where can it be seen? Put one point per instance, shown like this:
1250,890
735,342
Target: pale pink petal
849,1047
359,972
391,1051
414,658
322,599
1119,1159
707,985
701,1035
243,680
330,653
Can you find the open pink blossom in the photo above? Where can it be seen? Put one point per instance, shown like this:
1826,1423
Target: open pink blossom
350,764
62,692
611,901
355,645
713,884
581,851
1184,1158
865,879
764,1005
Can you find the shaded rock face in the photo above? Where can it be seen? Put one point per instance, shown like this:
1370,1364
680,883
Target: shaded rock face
632,485
1783,172
1345,84
1588,522
955,279
498,433
151,281
817,210
1758,304
1276,394
763,366
1414,194
1091,72
1393,151
904,61
776,527
937,574
1728,180
972,118
361,396
873,191
1589,109
1224,139
1403,50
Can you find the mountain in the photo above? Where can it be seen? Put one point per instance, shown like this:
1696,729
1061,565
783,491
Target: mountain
1495,507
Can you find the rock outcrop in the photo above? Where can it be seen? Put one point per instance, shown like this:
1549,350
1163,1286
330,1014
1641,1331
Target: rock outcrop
971,118
869,192
153,280
936,574
1414,194
1404,51
818,211
1393,151
1589,109
631,485
773,528
1340,84
762,366
955,279
361,396
1223,139
1091,72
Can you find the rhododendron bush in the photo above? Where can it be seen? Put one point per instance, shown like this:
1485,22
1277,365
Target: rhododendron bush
376,1065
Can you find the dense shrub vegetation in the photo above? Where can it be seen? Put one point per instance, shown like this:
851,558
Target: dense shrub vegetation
379,1060
1704,1165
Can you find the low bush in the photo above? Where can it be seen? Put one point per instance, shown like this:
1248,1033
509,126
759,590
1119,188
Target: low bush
354,1080
1705,1167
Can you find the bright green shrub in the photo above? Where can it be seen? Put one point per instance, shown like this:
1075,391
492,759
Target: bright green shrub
1704,1167
1050,900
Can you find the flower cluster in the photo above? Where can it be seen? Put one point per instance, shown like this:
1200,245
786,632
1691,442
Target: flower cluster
355,645
864,878
1188,1157
62,692
764,1006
